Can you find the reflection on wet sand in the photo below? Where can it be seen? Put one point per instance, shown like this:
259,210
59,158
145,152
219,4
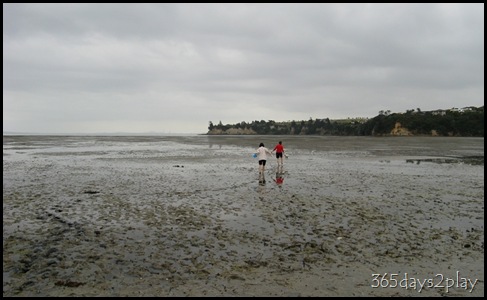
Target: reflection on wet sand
470,160
279,175
262,178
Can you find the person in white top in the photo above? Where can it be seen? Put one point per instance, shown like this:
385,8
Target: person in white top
262,153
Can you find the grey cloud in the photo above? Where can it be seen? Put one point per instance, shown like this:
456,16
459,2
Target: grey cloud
282,60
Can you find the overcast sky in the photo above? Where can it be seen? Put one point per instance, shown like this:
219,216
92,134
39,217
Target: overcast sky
172,68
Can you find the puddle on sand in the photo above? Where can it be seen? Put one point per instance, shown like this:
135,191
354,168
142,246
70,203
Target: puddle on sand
469,160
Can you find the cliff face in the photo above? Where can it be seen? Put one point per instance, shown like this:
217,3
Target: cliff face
399,130
233,131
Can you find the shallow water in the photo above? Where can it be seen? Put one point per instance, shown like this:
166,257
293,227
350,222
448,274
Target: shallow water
191,208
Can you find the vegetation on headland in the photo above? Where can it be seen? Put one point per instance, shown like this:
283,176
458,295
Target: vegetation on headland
468,121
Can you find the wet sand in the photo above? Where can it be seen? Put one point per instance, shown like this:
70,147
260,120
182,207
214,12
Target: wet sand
186,216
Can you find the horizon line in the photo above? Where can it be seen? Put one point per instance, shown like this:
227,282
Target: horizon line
98,133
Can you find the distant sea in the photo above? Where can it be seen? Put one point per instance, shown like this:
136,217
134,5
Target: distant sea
104,133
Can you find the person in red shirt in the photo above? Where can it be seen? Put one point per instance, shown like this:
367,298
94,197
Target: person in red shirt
279,148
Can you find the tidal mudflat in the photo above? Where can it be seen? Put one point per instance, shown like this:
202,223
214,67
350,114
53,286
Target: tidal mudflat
186,216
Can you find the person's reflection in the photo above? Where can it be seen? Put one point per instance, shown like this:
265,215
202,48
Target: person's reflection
261,189
262,178
279,177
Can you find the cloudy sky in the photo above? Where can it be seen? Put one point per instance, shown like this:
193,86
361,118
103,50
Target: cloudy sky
172,68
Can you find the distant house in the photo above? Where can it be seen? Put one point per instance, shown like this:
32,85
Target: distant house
468,108
440,112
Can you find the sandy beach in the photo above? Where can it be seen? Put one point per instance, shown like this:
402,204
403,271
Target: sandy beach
186,216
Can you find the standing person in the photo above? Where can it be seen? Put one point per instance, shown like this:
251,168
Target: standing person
279,148
262,153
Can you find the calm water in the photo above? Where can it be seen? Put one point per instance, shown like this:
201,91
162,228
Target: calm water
390,146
